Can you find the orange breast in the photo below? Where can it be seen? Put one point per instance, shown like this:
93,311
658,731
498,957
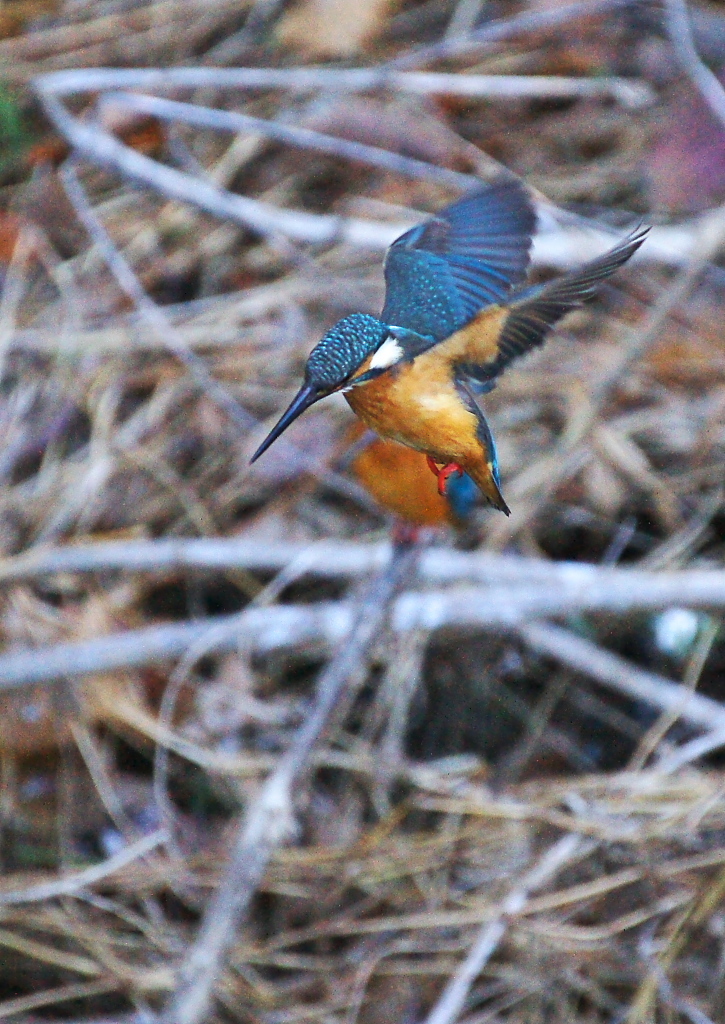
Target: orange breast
399,479
417,403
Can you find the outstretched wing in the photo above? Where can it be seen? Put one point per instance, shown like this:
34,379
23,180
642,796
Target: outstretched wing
534,313
440,274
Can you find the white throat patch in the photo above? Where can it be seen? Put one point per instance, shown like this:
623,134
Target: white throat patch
387,355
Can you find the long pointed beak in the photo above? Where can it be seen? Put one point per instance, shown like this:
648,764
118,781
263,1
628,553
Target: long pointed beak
304,398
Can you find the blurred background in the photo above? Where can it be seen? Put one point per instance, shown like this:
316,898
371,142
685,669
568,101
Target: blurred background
146,347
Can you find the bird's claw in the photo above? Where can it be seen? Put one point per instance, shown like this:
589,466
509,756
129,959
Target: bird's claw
442,474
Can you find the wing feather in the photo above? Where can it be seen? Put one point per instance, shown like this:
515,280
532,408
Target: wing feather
535,312
441,273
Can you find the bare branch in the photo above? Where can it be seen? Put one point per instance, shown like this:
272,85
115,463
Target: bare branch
487,36
103,149
263,630
69,884
330,559
616,674
311,79
463,607
269,821
303,138
452,1001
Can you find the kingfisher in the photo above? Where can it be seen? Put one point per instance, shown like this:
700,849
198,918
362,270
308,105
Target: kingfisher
456,313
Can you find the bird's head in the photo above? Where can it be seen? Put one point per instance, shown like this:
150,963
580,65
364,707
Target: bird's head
330,366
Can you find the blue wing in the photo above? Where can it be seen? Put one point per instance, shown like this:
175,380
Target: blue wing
440,274
533,312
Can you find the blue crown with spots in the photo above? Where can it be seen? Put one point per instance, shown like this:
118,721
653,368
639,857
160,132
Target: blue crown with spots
343,349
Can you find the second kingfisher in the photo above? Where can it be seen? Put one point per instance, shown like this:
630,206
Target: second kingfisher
454,318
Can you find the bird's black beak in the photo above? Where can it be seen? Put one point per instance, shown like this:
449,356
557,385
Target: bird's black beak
305,397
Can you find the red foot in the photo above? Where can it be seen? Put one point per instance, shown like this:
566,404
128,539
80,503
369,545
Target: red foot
443,473
432,466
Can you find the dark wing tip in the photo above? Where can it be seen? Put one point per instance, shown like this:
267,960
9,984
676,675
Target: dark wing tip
534,313
580,286
616,257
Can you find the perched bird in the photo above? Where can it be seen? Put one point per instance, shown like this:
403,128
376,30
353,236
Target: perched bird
453,320
397,478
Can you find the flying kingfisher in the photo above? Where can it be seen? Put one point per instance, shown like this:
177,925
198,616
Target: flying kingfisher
455,316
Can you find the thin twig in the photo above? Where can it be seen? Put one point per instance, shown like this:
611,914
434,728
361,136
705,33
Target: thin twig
150,312
615,673
693,750
654,737
63,993
212,639
269,821
303,138
504,28
70,884
463,20
450,1004
70,37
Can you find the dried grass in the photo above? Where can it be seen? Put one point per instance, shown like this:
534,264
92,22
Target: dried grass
494,827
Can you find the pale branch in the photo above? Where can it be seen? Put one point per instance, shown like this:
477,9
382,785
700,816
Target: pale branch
453,999
330,559
313,79
617,674
101,148
269,821
293,135
74,882
619,593
324,558
263,630
318,628
670,760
